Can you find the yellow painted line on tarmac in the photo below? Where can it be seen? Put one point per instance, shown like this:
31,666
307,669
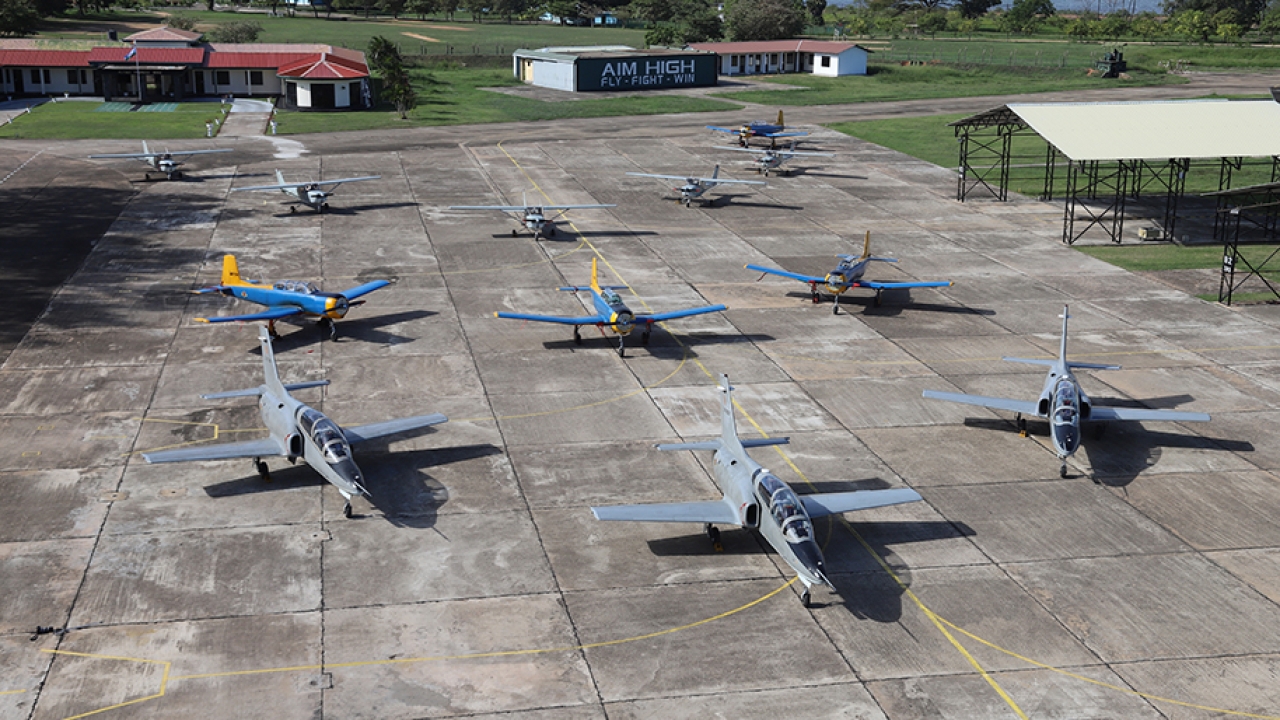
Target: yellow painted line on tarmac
164,679
218,432
11,692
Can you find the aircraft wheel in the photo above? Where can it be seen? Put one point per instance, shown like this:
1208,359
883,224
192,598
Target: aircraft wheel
346,510
292,209
148,176
577,336
622,350
513,233
1062,472
835,308
263,471
806,598
877,300
687,202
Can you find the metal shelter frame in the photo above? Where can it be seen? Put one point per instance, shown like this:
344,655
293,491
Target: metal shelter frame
1252,213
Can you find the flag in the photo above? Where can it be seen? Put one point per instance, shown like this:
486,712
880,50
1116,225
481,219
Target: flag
131,53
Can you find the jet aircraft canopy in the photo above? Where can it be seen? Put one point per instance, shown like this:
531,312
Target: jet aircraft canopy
297,286
785,507
326,435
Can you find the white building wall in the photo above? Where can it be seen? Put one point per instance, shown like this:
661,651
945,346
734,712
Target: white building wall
57,84
555,75
851,62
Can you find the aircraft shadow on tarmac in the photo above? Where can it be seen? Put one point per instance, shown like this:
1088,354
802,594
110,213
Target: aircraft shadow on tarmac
736,200
834,176
661,345
343,210
361,329
892,303
1117,451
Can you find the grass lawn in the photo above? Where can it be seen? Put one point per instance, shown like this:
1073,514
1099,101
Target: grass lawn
1151,258
76,120
918,82
1045,52
455,97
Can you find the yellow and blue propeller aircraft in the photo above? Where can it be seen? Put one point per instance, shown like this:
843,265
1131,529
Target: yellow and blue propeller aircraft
611,313
759,128
286,298
309,193
161,161
848,274
767,160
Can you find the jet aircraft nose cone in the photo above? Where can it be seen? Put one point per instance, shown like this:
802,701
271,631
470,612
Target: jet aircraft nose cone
1066,438
810,557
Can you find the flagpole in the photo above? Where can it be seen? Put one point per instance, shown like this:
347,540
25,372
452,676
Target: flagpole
137,69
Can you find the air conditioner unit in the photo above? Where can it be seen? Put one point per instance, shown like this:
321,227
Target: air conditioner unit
1149,233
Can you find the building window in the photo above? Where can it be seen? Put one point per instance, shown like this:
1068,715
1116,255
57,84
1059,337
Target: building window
255,77
773,59
35,76
826,61
221,77
71,77
733,61
84,77
47,79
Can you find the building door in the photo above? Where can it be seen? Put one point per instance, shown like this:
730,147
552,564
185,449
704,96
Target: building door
322,96
199,76
17,81
290,94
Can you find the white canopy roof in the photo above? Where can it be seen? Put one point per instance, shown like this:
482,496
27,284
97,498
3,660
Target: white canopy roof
1157,130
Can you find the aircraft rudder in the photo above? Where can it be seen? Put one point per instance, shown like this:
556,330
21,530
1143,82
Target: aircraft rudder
780,121
271,375
595,282
728,424
231,271
866,245
1062,348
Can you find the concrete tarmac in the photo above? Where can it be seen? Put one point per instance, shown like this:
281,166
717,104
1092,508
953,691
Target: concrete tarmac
475,581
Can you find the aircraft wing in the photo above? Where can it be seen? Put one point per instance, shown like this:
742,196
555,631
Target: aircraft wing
784,273
587,320
282,186
227,451
712,511
660,317
824,504
126,155
186,153
503,208
575,207
717,128
663,177
722,181
896,285
272,314
360,433
1110,413
344,180
364,289
781,134
1016,406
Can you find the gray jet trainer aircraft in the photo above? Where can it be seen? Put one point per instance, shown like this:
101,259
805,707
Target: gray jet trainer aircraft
1063,402
756,498
297,431
307,192
161,161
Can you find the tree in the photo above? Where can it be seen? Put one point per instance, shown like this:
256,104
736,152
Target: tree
397,88
182,21
1192,24
1247,10
18,18
974,9
236,32
816,10
392,7
1147,25
764,19
1025,15
423,8
664,34
1269,23
702,24
932,22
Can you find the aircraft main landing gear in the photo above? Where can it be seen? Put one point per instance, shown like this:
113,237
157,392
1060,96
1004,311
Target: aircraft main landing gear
813,293
1022,424
293,209
713,533
261,467
644,338
577,336
687,202
877,300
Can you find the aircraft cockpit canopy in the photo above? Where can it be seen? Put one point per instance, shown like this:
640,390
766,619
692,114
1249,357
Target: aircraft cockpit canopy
326,435
785,507
610,297
298,286
1065,401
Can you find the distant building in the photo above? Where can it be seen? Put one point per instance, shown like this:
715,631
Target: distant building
819,57
174,64
614,67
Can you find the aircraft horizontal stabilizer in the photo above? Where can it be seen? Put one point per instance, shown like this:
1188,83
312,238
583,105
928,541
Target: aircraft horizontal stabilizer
1139,414
715,444
273,314
1030,361
265,447
715,512
1016,406
824,504
361,433
1091,366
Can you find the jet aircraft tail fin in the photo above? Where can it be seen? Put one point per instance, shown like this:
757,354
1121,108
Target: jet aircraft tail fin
715,173
231,271
1062,347
271,375
728,424
780,122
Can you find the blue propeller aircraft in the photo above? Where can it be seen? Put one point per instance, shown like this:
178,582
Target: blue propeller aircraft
611,313
848,274
755,498
759,128
1063,402
286,298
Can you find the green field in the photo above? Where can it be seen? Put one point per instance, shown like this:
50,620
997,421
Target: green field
78,120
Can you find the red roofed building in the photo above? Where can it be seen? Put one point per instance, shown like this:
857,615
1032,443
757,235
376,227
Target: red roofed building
820,57
172,64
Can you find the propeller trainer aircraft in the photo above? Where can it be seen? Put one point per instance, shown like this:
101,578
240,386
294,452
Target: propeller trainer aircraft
767,160
1064,403
694,188
611,313
161,161
759,128
534,217
848,274
287,298
311,194
755,498
297,431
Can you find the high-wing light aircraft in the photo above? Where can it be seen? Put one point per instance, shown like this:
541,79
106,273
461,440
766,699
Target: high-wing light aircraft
694,188
848,274
767,160
1063,402
611,313
755,498
533,217
297,431
286,298
759,128
161,161
308,193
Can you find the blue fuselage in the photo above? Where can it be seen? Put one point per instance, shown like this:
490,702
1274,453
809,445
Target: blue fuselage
317,304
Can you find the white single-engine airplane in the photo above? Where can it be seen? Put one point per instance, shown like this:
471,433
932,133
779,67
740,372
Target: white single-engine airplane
308,193
297,431
161,161
848,274
755,498
611,313
767,160
1064,403
533,217
694,188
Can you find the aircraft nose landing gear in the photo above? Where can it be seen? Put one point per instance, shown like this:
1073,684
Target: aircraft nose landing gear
806,597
